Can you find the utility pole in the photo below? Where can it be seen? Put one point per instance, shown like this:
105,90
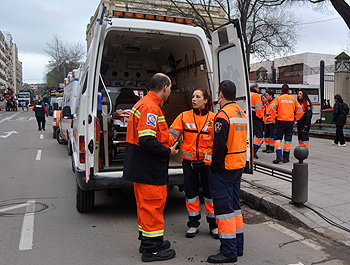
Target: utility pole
322,83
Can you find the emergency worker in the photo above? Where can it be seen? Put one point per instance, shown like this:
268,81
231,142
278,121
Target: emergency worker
146,164
228,158
258,113
193,127
40,112
269,124
285,108
304,123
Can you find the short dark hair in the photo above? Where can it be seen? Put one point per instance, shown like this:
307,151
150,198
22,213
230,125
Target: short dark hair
228,89
253,87
270,92
158,81
338,98
285,88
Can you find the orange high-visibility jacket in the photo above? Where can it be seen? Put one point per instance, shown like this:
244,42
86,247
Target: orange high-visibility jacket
268,118
257,105
193,125
286,108
236,143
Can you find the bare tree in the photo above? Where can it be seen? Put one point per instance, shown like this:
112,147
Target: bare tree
64,58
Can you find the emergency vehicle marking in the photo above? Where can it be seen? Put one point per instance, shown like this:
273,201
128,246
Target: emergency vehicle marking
151,119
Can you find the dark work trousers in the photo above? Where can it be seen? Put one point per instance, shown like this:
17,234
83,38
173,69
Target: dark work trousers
225,188
339,135
303,135
283,128
191,188
41,122
270,136
258,131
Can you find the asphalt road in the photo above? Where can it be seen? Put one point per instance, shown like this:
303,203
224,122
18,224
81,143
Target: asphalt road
39,224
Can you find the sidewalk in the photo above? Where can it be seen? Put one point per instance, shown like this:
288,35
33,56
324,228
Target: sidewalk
328,192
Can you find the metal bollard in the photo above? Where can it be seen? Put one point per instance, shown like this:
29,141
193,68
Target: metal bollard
300,176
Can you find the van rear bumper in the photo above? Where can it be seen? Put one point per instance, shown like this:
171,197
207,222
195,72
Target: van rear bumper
114,180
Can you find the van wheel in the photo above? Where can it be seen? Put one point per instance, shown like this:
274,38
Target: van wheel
70,151
85,200
59,138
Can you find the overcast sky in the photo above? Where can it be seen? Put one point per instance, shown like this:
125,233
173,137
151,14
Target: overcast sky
32,23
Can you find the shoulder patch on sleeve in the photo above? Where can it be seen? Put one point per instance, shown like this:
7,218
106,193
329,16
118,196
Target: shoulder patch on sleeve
151,119
218,126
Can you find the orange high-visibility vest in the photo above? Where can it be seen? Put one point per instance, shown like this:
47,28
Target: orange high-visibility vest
194,130
237,137
286,108
257,105
268,118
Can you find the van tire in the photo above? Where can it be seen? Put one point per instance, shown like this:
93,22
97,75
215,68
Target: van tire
69,147
85,200
59,137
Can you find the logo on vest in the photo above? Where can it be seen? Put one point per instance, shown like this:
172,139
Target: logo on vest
218,126
151,119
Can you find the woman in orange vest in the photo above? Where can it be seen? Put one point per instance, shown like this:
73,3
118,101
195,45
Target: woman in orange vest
193,127
304,123
269,123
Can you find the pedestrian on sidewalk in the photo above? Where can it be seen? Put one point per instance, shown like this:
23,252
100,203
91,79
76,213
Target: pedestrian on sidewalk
228,158
340,112
269,124
40,112
193,127
258,113
285,108
304,123
146,164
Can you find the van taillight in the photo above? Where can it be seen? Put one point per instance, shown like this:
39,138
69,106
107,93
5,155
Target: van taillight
81,149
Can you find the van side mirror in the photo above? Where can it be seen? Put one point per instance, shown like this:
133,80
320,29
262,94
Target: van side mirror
66,113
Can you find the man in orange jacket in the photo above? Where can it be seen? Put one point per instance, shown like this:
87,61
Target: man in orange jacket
146,164
285,108
258,113
228,156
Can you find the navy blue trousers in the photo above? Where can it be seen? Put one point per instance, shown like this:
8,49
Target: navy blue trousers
283,128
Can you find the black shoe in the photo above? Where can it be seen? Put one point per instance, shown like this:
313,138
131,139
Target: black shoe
264,150
256,156
158,256
165,245
39,129
221,258
285,160
239,254
269,151
277,160
214,233
44,129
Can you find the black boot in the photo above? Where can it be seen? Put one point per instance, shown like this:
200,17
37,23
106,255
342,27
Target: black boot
221,258
277,160
165,245
160,255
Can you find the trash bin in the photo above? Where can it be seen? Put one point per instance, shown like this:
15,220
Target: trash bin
327,116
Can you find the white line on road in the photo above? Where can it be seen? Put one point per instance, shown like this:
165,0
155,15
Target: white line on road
41,136
13,207
38,155
9,117
32,118
26,242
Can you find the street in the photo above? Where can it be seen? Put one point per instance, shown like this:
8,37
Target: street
39,223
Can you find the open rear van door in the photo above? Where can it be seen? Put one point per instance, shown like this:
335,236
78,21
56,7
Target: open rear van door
229,63
91,122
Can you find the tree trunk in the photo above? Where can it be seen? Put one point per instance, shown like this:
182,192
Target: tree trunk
343,9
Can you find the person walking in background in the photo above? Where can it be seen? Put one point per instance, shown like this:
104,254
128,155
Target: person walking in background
228,158
193,126
269,124
285,108
340,112
40,112
146,164
304,123
258,113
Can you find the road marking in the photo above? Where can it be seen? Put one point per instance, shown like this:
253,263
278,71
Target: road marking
38,155
296,236
13,207
7,134
31,118
26,241
9,117
41,136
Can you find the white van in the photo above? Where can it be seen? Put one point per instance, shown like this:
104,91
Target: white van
126,50
69,102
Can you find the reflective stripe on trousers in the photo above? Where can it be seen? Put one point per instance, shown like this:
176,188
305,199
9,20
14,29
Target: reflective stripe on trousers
193,206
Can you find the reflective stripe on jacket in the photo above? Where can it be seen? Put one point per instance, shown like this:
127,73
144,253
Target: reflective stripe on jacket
268,118
193,127
257,105
286,108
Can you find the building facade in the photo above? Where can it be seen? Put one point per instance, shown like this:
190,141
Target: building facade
10,66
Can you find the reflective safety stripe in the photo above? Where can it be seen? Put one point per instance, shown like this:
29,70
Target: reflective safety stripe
225,216
287,145
226,225
205,128
238,120
161,119
190,125
287,101
208,157
258,141
239,230
227,235
147,133
193,206
239,221
153,234
140,228
209,207
187,155
174,132
278,144
136,112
